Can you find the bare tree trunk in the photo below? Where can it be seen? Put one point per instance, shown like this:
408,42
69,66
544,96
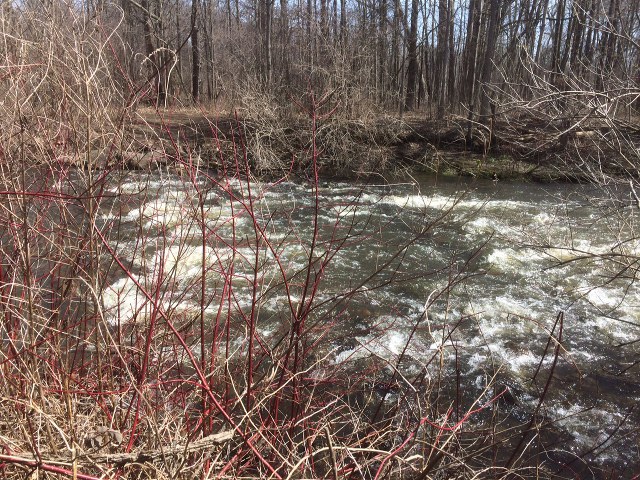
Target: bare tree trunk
343,24
471,51
195,53
541,31
574,36
209,52
470,60
442,56
334,19
394,64
153,59
412,58
382,52
179,53
608,45
228,16
425,84
310,31
284,40
324,21
590,36
267,48
489,57
451,61
557,38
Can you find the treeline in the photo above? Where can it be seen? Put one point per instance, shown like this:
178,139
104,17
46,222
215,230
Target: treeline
445,56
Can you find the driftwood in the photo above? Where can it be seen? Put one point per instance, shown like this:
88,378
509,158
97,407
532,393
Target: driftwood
120,459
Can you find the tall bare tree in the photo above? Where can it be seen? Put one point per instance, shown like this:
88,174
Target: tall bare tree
489,57
195,53
412,58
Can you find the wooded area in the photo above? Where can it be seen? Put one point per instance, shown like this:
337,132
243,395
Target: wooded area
446,56
544,81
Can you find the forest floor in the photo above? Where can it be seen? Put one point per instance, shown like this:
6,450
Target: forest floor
527,150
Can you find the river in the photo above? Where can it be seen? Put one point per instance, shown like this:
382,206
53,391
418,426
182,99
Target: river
501,282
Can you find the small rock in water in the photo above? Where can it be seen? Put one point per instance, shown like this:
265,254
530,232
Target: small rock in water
509,396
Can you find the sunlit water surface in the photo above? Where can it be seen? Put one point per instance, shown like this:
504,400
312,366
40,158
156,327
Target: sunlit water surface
498,265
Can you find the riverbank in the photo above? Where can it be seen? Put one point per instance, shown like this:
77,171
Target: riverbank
527,150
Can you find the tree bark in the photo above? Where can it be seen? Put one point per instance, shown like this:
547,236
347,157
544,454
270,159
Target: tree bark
489,57
284,40
343,24
412,58
451,61
382,52
195,53
471,51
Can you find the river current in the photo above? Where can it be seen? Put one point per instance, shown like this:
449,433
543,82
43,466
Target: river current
504,281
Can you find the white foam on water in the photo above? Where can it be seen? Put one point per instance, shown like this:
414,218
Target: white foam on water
517,205
630,307
520,361
619,331
266,332
521,262
388,344
495,311
239,304
243,302
562,254
443,202
133,215
396,342
279,302
588,426
350,354
294,253
616,299
631,248
543,218
217,213
183,261
578,248
124,302
351,210
481,224
177,206
370,198
393,343
161,214
476,361
134,187
505,260
603,297
437,202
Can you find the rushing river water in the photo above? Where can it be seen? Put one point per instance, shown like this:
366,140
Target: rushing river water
496,277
